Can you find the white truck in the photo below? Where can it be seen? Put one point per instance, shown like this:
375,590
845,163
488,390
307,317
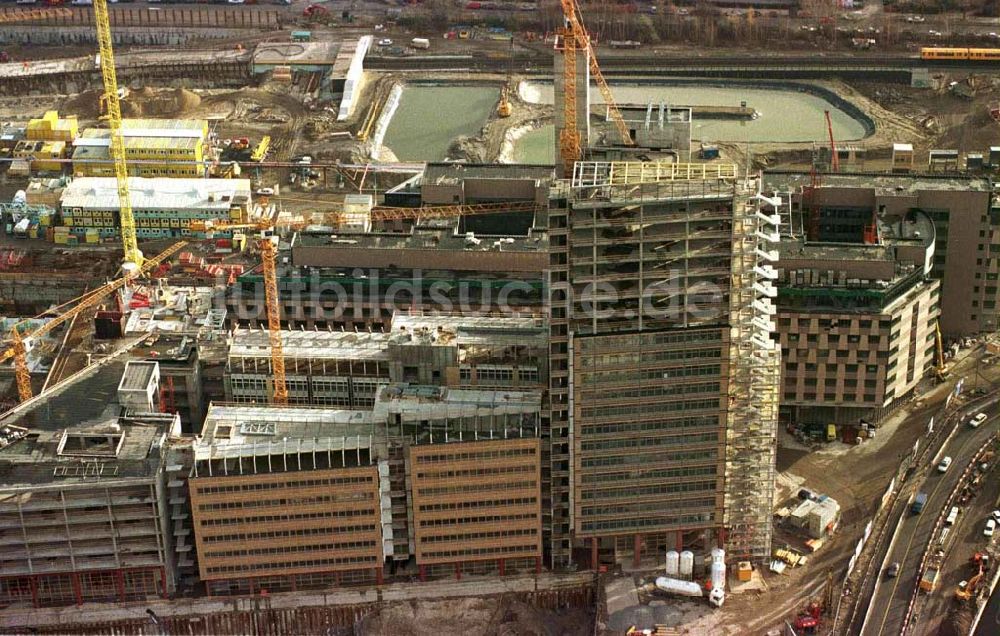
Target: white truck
420,43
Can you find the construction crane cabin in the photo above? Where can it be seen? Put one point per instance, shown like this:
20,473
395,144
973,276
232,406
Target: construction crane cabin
112,104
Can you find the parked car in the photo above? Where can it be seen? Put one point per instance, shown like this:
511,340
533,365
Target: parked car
977,420
944,465
996,515
892,571
952,516
991,526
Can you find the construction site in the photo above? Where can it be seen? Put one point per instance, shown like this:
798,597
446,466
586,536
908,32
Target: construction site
315,321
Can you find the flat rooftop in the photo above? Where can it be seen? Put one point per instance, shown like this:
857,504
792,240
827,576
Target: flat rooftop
883,184
135,448
472,330
418,401
428,238
344,345
451,173
296,53
236,425
160,193
84,399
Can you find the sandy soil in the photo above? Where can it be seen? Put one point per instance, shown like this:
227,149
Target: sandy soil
488,617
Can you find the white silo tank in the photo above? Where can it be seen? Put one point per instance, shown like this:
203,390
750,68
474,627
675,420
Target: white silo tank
687,564
673,563
718,575
718,555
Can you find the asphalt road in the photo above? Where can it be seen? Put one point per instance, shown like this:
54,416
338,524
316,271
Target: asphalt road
892,596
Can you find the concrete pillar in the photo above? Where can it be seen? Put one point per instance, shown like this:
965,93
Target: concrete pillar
378,575
423,573
636,550
594,554
458,571
502,566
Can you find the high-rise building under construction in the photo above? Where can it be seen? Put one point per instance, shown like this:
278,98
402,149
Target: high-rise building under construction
664,376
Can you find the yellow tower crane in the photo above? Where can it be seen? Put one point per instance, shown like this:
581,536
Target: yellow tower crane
572,39
133,257
19,339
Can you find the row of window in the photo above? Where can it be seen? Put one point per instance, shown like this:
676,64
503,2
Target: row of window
634,410
642,508
290,549
274,485
530,548
643,522
647,356
654,391
477,472
642,340
620,460
637,375
652,473
304,563
493,486
649,442
462,521
297,501
632,426
301,516
277,534
473,536
488,503
475,455
654,489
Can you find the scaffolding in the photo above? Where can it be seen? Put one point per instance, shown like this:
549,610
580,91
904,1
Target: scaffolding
755,375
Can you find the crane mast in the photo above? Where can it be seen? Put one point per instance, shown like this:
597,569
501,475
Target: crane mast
571,39
133,257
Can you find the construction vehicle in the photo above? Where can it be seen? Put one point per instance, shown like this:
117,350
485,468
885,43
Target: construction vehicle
20,341
572,39
504,107
941,369
968,589
928,580
260,150
111,99
314,12
808,623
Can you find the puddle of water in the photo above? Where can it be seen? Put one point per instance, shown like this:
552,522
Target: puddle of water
785,115
429,118
536,146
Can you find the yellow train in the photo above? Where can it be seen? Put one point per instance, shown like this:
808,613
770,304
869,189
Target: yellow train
942,53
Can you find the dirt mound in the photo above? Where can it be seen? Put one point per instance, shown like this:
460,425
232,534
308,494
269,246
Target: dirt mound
147,102
487,616
142,102
85,105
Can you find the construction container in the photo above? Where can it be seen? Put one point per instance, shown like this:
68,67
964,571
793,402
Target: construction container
687,564
744,571
72,240
92,236
673,563
974,161
994,156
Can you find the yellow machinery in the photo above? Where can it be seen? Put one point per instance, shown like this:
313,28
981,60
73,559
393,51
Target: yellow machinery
967,591
267,243
572,39
18,348
941,370
260,151
133,257
504,108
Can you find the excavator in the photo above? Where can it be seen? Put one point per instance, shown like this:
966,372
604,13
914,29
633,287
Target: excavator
967,589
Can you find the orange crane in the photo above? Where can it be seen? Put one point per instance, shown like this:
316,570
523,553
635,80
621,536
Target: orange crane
18,347
267,243
572,38
834,159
